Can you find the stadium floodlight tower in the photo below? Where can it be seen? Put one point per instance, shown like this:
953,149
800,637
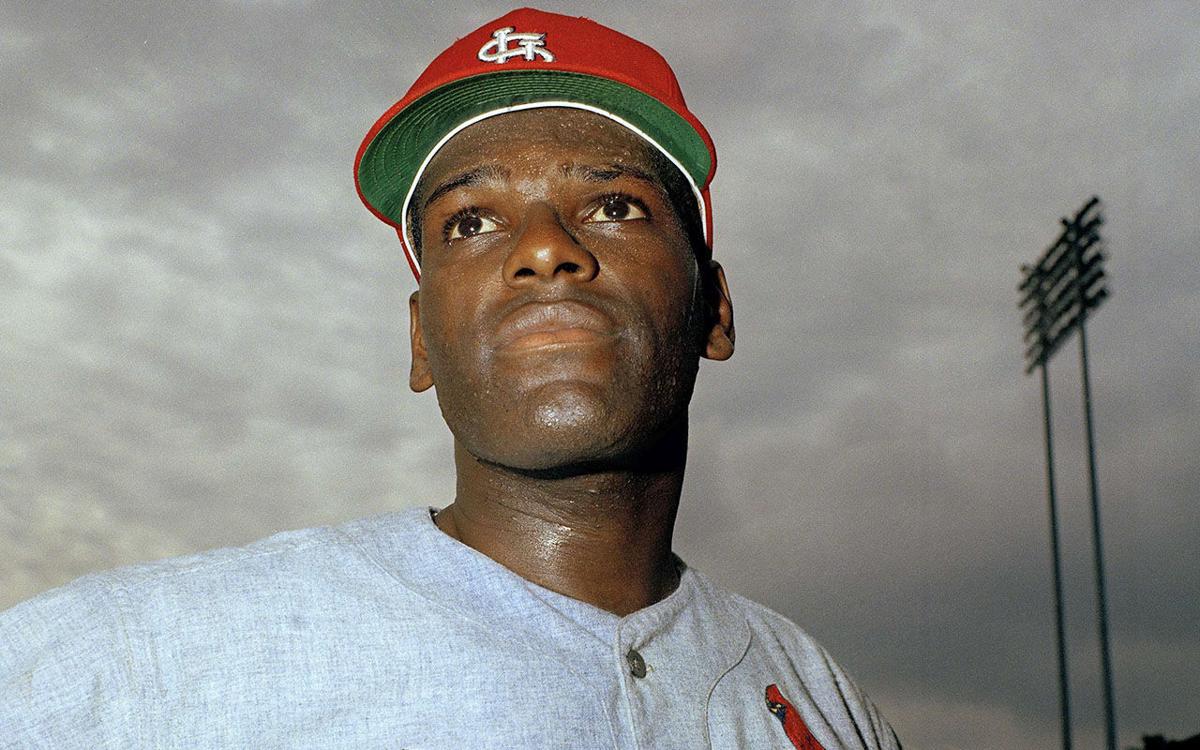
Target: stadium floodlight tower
1057,293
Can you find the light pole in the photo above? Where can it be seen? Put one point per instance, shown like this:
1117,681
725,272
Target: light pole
1057,294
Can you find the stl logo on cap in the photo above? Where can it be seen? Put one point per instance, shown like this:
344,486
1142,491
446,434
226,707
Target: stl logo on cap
530,44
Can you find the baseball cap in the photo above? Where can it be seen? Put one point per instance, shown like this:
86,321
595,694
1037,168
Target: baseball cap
525,59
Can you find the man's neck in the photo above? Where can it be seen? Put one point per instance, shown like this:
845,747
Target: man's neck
601,537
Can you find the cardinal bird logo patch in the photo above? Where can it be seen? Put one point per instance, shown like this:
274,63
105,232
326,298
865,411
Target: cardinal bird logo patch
793,726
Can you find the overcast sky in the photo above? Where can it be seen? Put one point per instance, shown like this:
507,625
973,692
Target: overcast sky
203,334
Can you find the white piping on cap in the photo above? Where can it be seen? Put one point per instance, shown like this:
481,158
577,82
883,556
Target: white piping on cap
408,248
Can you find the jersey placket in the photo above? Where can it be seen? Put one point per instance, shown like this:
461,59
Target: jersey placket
668,660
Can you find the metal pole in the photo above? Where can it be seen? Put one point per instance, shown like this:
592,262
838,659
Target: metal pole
1054,315
1064,699
1110,721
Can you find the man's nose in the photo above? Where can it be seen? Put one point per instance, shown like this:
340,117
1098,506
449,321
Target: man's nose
547,251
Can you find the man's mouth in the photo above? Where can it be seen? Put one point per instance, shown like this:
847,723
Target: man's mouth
554,325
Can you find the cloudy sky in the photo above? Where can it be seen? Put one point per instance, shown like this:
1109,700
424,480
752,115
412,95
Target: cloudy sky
203,335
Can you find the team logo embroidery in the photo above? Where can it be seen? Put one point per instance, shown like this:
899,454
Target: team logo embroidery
793,726
529,46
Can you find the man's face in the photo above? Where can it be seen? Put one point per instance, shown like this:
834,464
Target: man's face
562,310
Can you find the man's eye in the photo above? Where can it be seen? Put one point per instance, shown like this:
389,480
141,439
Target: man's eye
468,224
617,208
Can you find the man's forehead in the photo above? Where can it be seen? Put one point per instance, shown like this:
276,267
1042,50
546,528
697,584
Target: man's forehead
522,133
498,173
526,150
579,144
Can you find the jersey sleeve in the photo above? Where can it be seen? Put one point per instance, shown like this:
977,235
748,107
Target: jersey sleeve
873,730
824,691
66,669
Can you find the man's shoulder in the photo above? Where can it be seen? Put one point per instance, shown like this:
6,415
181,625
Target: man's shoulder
81,664
207,569
272,566
220,598
780,638
764,622
800,667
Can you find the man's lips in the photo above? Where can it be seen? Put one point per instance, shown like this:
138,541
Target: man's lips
538,325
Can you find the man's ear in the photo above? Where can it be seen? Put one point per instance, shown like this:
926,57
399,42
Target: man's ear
419,377
719,345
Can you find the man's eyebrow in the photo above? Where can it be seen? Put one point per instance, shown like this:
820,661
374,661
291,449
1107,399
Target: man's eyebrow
609,172
476,176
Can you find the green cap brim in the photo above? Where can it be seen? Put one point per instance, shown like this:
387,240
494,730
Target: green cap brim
392,161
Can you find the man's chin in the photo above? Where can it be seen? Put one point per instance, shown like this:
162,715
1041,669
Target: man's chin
567,430
568,411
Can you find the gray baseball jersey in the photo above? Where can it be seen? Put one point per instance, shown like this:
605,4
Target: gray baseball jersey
386,632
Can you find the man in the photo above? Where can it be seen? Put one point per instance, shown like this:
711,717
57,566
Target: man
550,189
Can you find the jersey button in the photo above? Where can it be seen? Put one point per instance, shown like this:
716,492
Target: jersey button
637,665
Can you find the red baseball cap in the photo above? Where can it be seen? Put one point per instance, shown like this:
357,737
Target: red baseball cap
526,59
